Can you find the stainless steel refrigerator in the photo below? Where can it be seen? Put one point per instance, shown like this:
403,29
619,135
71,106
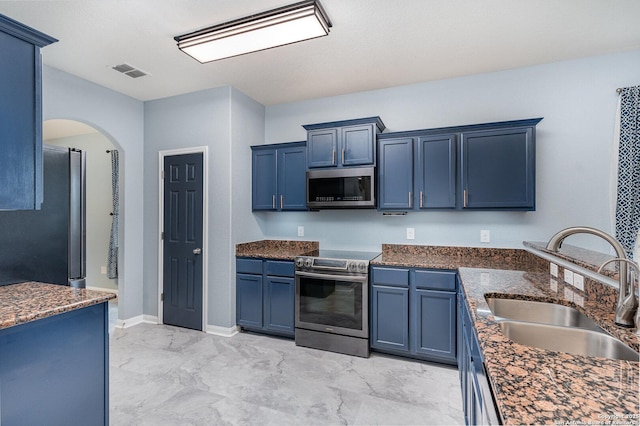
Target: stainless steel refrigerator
48,245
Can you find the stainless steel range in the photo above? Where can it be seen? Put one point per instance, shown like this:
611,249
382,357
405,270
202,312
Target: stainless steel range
332,301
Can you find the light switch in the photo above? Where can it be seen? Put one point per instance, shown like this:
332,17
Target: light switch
300,231
485,236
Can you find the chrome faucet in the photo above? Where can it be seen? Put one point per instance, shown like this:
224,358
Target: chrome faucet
622,317
629,306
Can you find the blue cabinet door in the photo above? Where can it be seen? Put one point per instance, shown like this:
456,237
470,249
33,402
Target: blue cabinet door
322,147
249,300
292,188
279,305
357,145
263,179
498,169
434,317
55,370
390,318
21,115
435,165
395,174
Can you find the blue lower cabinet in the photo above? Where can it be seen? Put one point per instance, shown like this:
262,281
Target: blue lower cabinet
477,398
412,316
390,313
265,291
55,370
279,304
249,300
435,324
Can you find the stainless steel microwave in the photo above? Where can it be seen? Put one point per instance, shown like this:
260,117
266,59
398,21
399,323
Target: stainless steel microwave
342,188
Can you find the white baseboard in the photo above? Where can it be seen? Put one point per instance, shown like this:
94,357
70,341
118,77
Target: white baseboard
222,331
149,319
152,319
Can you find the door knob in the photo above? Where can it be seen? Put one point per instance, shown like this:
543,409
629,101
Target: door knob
197,250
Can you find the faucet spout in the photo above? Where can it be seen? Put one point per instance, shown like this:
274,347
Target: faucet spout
625,312
556,241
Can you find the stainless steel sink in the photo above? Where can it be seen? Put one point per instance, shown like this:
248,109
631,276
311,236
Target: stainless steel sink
539,312
577,341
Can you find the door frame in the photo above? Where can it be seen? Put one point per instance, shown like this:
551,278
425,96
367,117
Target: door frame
204,150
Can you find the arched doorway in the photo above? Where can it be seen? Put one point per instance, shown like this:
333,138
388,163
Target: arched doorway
97,147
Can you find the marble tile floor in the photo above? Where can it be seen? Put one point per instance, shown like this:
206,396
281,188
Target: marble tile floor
162,375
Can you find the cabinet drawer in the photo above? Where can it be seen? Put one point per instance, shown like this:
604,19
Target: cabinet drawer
391,276
435,280
249,266
279,268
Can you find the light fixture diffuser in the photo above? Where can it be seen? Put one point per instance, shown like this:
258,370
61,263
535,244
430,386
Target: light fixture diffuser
285,25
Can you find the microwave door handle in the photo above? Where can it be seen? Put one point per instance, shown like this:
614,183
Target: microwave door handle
332,277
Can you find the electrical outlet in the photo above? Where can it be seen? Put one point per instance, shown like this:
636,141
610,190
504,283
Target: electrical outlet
103,270
411,233
300,231
553,269
485,236
568,276
578,281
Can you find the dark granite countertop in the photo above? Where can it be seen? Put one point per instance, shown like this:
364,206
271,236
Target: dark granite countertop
533,385
30,301
276,249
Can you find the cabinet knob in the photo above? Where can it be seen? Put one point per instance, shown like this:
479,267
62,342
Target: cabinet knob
197,250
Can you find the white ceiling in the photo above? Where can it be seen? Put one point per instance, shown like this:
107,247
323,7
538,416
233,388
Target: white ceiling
373,43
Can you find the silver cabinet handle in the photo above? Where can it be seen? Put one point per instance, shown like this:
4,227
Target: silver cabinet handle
410,199
464,198
281,201
197,250
420,199
333,156
342,155
273,201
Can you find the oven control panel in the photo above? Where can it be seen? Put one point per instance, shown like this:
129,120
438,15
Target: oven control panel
335,265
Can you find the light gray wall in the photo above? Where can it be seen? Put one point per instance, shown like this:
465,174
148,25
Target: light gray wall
226,121
98,203
120,119
577,100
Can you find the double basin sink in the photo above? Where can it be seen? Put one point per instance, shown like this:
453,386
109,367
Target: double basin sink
557,328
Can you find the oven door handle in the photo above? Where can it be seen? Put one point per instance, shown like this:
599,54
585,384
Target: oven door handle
361,279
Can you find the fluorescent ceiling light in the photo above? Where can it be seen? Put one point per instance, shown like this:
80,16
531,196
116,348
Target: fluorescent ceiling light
285,25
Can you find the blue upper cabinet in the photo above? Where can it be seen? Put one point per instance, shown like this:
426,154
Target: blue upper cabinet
435,167
416,173
278,177
395,174
292,169
343,143
498,169
263,176
487,166
21,115
322,146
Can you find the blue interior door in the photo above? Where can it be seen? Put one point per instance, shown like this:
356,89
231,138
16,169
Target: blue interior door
182,281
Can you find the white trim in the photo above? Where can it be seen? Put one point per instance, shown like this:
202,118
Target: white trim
205,228
223,331
140,319
107,290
